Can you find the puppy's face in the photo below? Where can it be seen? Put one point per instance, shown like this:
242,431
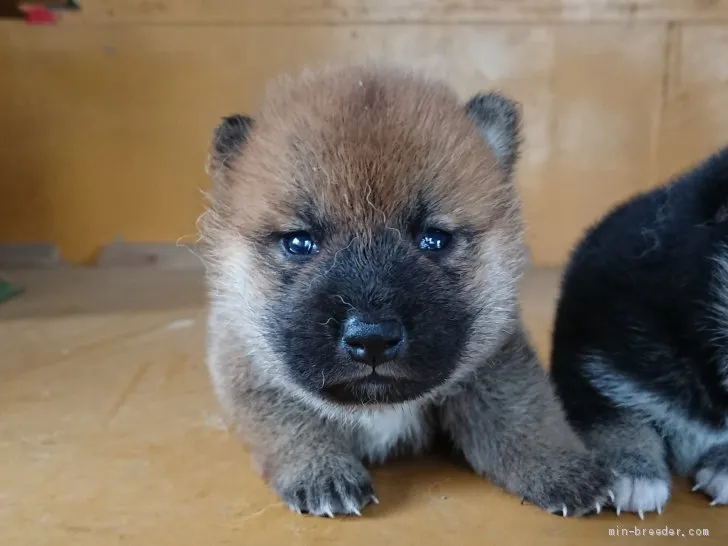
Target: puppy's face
364,233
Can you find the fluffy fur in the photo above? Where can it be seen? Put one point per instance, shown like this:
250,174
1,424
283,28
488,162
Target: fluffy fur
366,159
640,343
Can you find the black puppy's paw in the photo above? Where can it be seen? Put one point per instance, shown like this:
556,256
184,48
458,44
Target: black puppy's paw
714,482
640,485
712,475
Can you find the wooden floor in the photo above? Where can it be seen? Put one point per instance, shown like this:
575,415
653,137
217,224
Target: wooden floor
109,435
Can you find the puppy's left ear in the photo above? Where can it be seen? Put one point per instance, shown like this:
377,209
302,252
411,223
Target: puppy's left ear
498,120
228,141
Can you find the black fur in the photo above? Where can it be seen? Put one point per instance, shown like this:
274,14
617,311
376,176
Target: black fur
639,298
387,278
229,137
649,264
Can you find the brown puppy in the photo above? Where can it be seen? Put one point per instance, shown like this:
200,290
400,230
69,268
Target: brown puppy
364,245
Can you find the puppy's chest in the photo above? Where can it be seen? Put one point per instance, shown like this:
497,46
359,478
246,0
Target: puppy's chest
385,433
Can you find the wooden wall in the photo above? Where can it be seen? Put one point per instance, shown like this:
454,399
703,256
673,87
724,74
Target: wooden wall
105,118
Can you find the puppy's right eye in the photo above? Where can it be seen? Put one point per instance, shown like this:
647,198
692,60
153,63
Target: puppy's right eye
299,243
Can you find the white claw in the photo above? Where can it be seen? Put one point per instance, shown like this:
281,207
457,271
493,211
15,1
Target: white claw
611,495
356,512
641,514
329,513
599,508
696,487
375,500
563,511
659,510
619,510
714,502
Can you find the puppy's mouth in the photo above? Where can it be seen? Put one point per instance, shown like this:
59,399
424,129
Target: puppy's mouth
374,389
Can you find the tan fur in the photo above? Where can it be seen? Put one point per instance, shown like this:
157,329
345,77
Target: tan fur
427,136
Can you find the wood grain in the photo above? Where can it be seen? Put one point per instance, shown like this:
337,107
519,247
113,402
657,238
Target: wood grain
110,124
695,119
397,11
111,436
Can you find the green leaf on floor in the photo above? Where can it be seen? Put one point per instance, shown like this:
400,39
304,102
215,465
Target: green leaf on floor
8,290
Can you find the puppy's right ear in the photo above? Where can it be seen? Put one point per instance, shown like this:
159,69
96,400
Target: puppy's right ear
228,140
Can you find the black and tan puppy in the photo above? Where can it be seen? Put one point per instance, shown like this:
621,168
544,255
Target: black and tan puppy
364,246
640,350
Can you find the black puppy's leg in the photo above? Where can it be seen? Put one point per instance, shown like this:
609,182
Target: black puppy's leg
615,417
711,475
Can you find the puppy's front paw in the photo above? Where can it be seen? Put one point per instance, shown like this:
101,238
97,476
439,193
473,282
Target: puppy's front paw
572,486
714,482
639,494
326,487
641,484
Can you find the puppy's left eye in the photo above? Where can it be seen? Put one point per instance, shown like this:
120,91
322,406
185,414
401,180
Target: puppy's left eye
299,243
434,239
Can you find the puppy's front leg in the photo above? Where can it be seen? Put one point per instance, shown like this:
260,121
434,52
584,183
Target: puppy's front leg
304,458
510,427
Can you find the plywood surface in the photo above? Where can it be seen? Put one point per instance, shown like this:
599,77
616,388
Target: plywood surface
108,126
397,11
110,435
695,120
106,117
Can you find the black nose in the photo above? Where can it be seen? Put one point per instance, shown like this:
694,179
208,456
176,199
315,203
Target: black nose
373,343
